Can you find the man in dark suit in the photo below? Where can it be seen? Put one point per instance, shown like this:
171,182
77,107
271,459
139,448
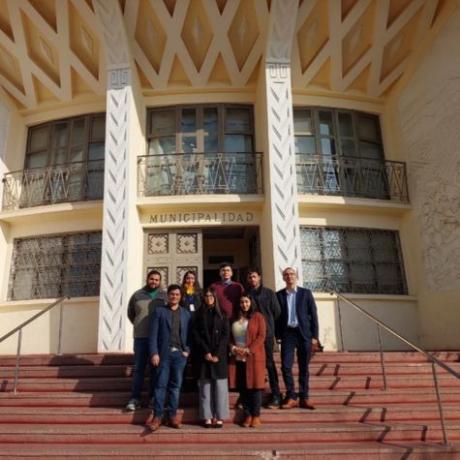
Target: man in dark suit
298,330
169,349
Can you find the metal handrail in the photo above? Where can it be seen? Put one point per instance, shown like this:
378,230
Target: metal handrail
434,361
19,329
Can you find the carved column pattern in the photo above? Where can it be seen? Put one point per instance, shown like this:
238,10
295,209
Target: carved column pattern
281,151
4,122
114,264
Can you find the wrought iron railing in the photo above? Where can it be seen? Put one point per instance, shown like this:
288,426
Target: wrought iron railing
380,325
200,173
79,181
352,177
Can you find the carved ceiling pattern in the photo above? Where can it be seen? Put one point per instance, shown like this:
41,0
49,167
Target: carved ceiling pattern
53,50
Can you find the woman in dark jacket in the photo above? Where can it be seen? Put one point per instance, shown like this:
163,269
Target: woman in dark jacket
210,338
191,292
247,362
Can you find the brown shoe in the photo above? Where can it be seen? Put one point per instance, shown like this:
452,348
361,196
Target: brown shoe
255,422
247,421
155,424
306,404
174,423
290,404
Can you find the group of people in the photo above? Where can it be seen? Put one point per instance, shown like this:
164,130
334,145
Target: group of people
227,334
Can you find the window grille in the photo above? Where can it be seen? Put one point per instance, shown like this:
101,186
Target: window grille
352,260
54,266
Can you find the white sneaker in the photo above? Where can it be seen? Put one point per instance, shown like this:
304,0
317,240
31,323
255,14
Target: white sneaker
133,404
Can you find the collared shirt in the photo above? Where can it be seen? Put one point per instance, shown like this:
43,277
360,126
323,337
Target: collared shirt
227,282
291,304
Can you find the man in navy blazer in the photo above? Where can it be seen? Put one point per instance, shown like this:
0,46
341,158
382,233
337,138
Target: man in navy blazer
297,328
169,349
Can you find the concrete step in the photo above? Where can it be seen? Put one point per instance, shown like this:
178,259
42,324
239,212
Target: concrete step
319,432
189,415
321,383
222,451
321,397
316,369
319,358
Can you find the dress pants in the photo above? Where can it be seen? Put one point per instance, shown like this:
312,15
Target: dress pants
141,361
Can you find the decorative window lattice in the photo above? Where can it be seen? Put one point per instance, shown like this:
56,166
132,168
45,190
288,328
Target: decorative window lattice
54,266
352,260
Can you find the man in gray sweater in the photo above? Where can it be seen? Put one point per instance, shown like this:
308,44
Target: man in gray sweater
140,309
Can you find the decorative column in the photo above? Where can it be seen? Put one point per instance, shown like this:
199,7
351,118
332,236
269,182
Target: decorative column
4,124
120,114
281,150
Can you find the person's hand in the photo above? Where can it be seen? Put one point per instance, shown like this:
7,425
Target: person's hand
208,357
155,360
215,359
315,345
185,354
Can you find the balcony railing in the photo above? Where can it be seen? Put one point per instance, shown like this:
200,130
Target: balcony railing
200,173
352,177
80,181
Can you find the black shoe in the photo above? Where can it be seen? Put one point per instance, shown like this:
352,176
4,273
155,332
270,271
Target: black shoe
207,423
273,403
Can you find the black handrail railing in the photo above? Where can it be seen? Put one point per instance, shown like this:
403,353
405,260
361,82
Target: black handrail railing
352,177
434,361
21,326
68,182
200,173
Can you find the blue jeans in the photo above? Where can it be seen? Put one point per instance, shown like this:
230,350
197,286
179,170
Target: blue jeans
169,375
141,360
291,342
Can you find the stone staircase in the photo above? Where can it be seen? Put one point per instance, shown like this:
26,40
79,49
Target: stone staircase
71,406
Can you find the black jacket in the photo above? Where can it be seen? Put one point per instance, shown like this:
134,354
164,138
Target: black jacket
268,305
215,343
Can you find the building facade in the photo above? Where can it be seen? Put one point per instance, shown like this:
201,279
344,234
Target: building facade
318,134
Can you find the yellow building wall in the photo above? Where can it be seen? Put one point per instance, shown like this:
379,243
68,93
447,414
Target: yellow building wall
425,118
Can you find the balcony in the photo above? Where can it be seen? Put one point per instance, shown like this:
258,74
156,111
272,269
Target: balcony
200,174
352,177
80,181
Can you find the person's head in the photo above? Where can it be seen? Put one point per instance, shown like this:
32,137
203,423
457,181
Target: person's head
225,271
153,279
174,295
190,280
247,306
210,299
290,277
254,278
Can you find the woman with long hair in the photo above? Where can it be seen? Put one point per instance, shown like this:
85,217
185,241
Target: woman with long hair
210,336
247,362
191,292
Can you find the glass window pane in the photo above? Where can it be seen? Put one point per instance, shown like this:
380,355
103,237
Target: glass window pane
210,130
326,127
345,124
98,128
303,121
238,143
96,151
237,120
61,135
369,128
368,150
76,155
163,122
162,146
327,146
348,148
188,144
36,160
188,121
39,138
60,156
78,131
305,144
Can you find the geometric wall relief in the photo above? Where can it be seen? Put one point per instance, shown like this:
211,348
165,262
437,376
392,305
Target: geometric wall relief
430,117
187,243
158,243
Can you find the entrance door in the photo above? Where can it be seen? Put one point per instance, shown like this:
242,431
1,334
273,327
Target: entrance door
172,253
